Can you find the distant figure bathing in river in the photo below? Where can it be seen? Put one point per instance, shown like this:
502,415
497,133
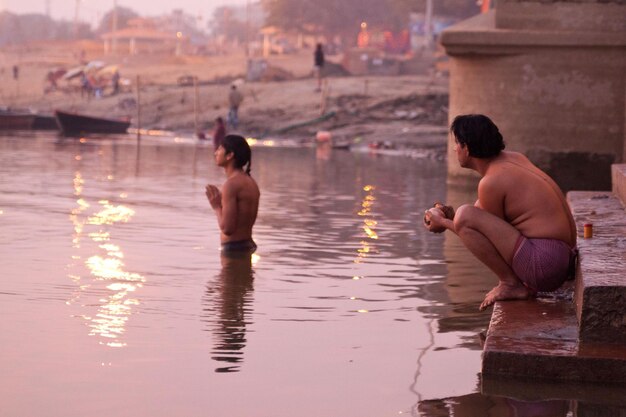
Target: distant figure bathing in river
521,227
219,132
237,204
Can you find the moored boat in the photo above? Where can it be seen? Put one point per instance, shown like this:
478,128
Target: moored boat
73,124
45,122
16,121
26,119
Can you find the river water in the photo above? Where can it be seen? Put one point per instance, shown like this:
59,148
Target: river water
115,299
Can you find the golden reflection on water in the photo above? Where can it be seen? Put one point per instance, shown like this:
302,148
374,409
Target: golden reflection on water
369,224
115,306
111,214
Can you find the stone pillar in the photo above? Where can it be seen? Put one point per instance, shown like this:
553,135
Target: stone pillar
551,75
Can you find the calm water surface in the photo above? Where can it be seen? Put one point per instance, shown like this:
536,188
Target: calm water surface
115,299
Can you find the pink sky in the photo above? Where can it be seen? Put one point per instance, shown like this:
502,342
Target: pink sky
92,10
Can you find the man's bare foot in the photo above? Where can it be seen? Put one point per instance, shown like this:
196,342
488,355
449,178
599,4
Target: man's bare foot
505,292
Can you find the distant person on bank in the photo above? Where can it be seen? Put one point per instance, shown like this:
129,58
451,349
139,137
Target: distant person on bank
235,98
318,65
521,227
237,204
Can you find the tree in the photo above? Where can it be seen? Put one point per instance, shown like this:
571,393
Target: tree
20,29
225,23
124,14
344,16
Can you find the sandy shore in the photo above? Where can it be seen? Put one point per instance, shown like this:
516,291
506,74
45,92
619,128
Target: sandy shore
407,110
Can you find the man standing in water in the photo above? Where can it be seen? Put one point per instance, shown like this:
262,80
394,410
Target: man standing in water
521,227
237,204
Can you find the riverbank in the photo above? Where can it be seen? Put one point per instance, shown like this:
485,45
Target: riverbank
382,111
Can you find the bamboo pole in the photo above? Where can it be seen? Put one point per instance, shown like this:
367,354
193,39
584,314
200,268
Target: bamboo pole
138,109
324,98
195,106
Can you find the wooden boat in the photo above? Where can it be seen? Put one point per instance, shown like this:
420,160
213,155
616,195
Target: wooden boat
26,119
45,122
16,121
73,124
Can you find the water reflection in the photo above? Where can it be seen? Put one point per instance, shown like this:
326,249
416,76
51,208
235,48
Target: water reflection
368,224
107,267
228,308
465,282
476,404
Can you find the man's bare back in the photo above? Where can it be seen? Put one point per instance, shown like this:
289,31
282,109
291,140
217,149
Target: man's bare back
240,193
530,200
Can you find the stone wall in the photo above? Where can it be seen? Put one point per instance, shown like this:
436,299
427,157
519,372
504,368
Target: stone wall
551,74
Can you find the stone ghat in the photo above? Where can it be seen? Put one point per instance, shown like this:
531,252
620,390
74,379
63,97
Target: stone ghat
579,333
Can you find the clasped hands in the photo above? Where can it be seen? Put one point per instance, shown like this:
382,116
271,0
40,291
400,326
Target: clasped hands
214,196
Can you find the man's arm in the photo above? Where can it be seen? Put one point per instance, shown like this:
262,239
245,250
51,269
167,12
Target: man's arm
228,216
225,206
491,195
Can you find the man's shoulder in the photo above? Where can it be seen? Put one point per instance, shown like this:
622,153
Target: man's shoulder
492,181
241,182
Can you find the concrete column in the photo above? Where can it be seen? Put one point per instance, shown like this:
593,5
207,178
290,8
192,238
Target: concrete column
551,74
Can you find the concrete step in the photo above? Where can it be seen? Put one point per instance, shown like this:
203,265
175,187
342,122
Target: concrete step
618,178
539,339
600,290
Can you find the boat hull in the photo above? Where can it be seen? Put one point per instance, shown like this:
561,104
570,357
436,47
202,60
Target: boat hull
72,124
16,121
42,122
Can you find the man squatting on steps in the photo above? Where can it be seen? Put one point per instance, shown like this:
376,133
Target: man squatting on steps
521,226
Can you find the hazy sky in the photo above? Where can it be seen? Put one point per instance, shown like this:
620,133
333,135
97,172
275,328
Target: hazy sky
92,10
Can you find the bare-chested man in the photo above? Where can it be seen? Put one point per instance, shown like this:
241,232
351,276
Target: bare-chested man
521,227
236,206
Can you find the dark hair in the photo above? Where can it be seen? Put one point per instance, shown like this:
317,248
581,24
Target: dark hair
240,148
479,134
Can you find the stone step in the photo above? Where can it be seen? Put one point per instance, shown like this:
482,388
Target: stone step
555,339
600,290
539,339
618,177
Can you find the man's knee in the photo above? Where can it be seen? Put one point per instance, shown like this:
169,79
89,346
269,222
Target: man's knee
463,217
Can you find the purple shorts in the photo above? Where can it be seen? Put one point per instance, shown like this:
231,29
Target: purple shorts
543,264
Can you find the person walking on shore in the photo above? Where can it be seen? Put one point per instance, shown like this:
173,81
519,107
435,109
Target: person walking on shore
236,205
234,101
521,227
